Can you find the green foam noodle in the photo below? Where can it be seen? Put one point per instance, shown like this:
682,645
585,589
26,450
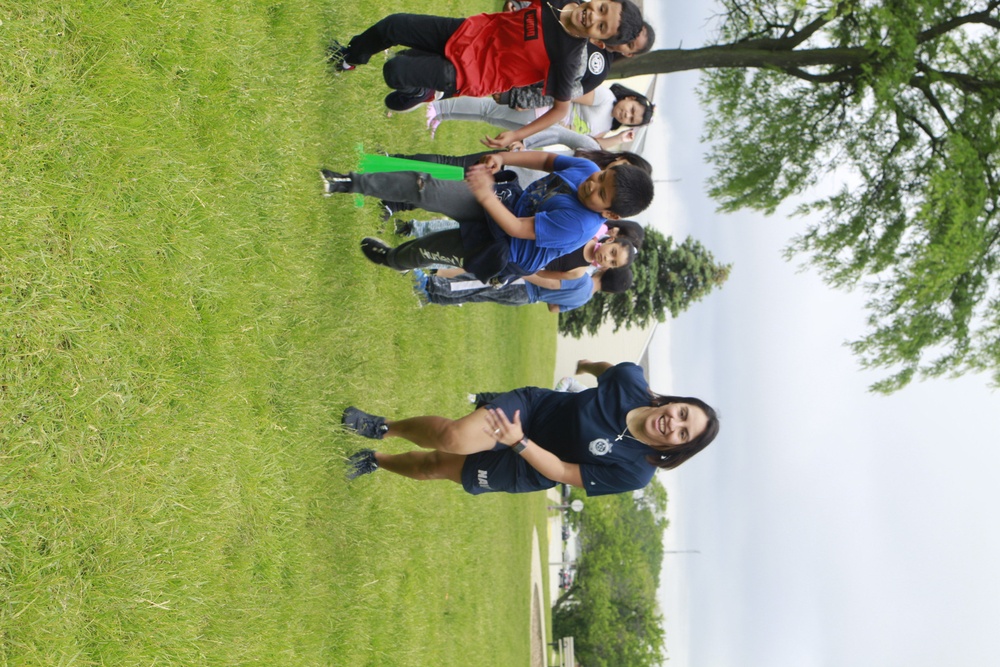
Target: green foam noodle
379,163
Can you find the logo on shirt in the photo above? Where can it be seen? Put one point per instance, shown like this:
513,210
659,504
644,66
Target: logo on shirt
481,479
530,25
596,63
600,447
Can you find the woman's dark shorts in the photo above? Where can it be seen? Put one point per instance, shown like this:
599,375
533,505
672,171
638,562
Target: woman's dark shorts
501,469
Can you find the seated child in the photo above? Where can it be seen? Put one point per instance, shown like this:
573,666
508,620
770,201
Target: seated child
553,216
492,53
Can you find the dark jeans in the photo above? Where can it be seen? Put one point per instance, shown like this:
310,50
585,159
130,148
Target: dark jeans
439,291
424,64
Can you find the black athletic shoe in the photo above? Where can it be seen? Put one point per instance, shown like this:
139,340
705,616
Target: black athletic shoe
409,99
391,208
335,54
361,463
364,424
334,182
404,227
375,250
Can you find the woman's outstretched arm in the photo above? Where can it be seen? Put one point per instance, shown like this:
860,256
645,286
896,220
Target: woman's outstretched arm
595,368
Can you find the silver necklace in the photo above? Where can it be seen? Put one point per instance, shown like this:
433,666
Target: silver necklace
622,434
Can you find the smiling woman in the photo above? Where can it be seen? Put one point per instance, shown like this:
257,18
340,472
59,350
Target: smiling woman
610,439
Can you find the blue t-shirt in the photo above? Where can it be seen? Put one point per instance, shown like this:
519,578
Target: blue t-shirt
588,428
562,222
571,293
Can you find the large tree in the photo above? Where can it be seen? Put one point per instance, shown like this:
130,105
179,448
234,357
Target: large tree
899,101
668,278
611,610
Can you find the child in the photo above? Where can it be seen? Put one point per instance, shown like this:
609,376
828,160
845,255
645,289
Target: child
492,53
560,295
553,216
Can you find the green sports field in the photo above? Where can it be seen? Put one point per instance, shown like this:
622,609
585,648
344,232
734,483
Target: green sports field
182,319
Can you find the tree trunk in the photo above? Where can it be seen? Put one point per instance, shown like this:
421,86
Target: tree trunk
736,55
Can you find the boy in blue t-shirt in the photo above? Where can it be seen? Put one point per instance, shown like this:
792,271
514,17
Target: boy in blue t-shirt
553,217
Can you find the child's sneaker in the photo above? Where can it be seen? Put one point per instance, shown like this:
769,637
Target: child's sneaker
375,250
361,463
420,287
409,99
334,182
570,384
335,54
391,208
433,122
364,424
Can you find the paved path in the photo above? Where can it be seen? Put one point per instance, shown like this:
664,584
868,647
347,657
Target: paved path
538,641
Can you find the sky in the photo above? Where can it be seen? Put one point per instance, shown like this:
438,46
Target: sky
835,526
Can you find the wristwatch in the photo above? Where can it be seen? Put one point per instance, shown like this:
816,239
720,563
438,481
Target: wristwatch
521,446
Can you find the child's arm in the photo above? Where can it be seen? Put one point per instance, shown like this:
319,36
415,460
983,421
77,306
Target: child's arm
543,282
480,182
537,160
556,113
562,275
611,143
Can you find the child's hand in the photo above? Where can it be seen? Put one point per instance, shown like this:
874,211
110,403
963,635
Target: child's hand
628,136
480,181
492,162
502,140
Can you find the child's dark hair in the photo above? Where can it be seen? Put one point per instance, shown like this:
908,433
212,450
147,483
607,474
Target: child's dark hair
628,229
631,23
650,38
616,281
604,158
633,190
621,92
646,48
627,247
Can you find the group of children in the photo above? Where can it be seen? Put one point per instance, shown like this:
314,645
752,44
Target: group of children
519,245
506,234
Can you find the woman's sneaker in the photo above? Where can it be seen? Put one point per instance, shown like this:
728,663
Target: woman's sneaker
361,463
364,424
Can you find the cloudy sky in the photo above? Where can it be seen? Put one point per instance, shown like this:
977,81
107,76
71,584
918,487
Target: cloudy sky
835,527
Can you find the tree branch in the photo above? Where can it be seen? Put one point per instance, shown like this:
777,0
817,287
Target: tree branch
960,80
977,17
837,76
923,85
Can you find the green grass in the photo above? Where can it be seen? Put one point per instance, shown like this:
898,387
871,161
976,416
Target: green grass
182,319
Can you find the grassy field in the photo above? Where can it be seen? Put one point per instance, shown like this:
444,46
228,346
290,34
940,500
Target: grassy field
182,319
